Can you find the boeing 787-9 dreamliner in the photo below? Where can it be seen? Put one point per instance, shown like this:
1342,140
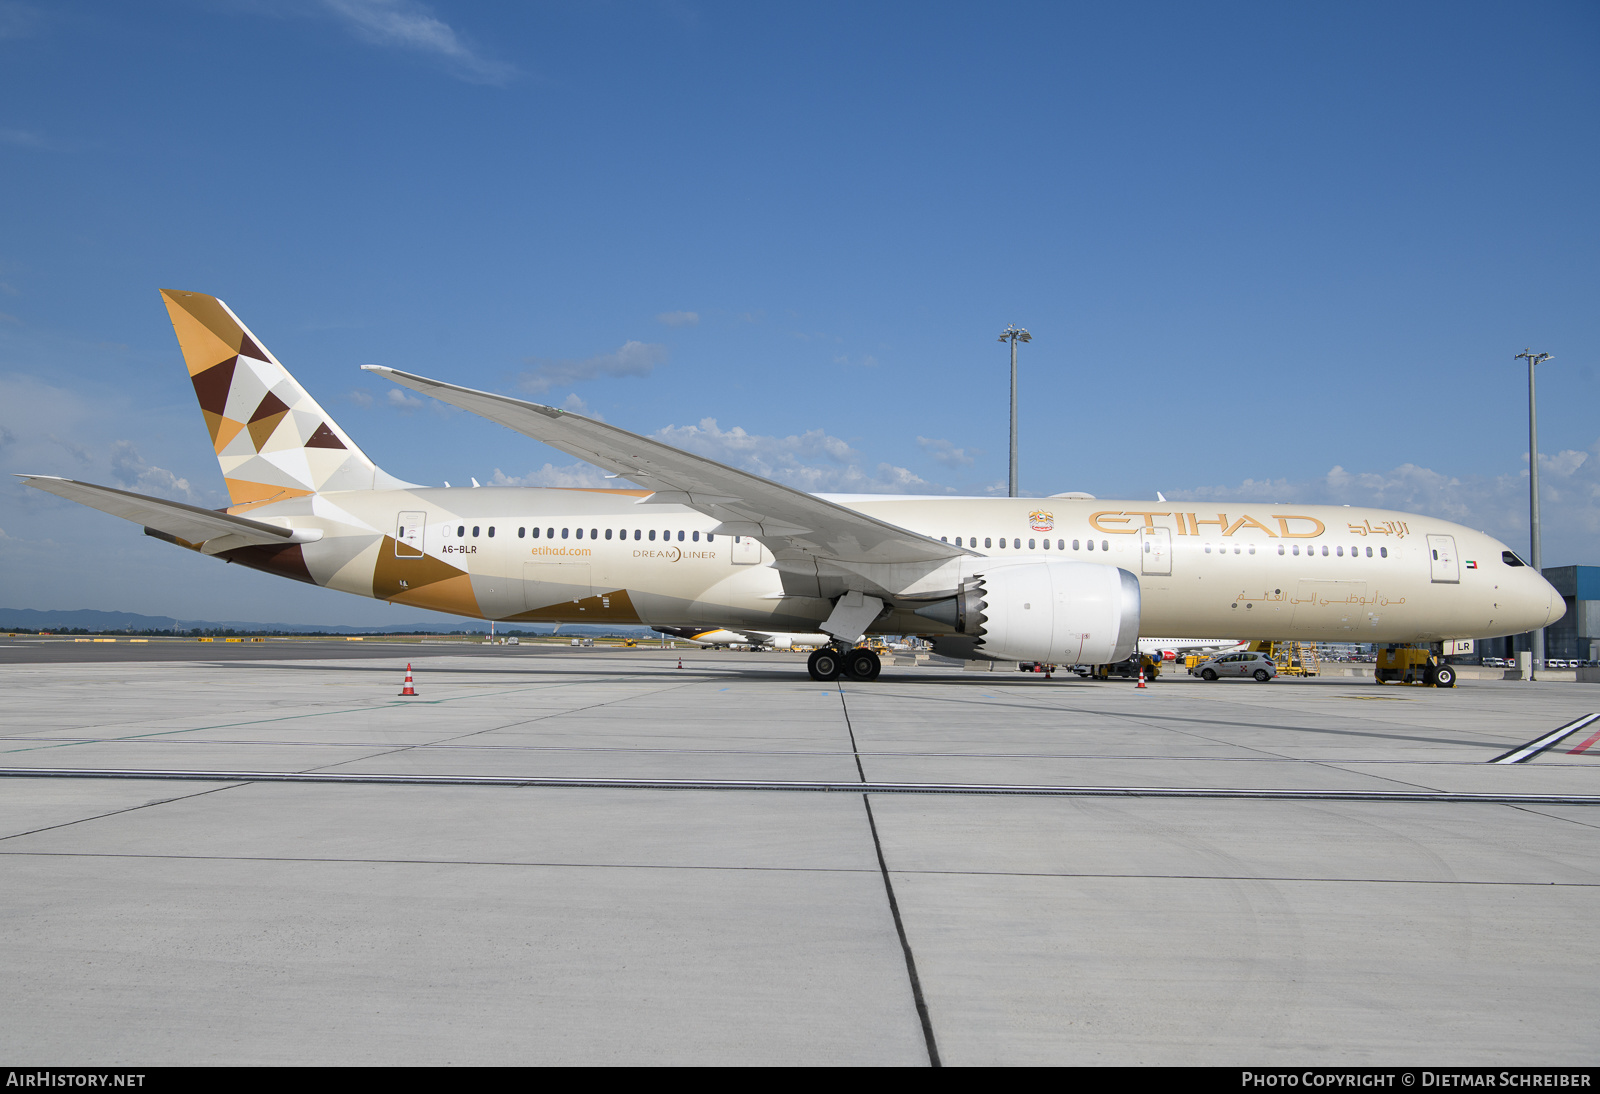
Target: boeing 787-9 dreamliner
695,543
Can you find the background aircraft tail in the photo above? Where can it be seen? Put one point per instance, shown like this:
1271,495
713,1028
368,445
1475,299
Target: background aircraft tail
273,440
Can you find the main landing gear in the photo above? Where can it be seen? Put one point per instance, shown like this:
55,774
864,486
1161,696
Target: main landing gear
829,663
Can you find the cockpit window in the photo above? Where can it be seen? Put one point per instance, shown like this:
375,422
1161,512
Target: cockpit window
1510,559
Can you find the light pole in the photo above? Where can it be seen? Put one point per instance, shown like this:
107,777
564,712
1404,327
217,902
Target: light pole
1537,652
1014,334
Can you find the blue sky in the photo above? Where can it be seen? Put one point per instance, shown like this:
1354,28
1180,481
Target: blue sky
1267,251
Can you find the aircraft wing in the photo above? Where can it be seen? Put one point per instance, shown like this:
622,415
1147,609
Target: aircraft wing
746,504
187,522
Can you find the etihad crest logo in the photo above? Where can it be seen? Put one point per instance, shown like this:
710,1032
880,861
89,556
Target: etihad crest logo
1041,520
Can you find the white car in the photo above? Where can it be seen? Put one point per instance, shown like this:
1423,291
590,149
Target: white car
1246,663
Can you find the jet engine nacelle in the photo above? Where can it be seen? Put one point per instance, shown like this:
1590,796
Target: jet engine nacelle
1052,610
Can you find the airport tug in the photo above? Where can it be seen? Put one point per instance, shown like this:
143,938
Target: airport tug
1421,665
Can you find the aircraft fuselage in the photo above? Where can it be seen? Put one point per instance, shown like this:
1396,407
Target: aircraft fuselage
1329,573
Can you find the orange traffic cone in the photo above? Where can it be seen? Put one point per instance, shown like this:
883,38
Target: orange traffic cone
408,689
680,660
1141,676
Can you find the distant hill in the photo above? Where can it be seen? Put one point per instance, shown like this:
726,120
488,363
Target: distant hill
30,619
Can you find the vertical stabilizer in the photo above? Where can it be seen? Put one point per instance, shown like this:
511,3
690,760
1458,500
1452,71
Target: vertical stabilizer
273,440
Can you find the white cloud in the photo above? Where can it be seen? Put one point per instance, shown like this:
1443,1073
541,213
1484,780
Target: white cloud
679,318
568,475
402,401
76,450
361,398
133,473
409,25
21,137
632,359
578,406
811,461
1569,498
945,452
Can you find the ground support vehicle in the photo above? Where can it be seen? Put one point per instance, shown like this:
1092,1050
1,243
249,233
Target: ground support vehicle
1128,669
1291,658
1420,665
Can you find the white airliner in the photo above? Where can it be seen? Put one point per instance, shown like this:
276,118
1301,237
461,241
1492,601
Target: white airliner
697,543
722,636
1170,649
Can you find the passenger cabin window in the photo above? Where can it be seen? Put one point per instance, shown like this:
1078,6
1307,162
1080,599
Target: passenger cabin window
1383,552
986,541
564,533
474,531
461,530
491,531
522,533
536,533
652,534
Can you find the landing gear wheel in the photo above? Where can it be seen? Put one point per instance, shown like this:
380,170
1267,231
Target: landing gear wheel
862,664
824,665
1444,677
1208,674
1262,676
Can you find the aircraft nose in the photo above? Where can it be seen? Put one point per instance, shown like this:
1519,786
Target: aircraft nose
1538,602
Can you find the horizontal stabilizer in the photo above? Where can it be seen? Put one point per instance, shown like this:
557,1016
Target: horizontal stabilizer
186,522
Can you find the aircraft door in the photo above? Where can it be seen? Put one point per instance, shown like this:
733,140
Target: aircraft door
1442,559
745,550
408,535
1156,545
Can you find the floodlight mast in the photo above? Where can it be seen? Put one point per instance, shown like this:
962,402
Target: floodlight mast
1014,334
1537,643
